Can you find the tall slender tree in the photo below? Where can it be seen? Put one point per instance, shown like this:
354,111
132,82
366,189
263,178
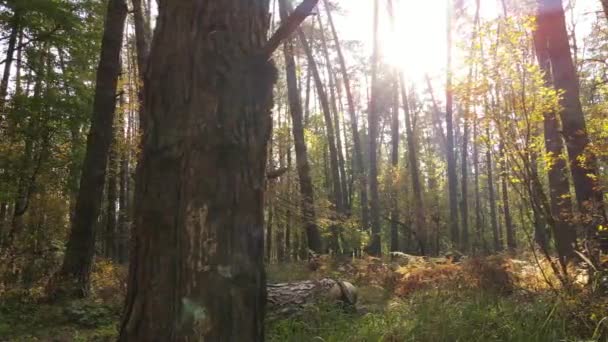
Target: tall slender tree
74,274
302,164
553,35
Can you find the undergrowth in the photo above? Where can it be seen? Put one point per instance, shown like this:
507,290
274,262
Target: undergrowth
437,316
492,299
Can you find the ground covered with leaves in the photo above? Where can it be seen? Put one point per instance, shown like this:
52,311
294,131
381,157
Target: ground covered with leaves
410,299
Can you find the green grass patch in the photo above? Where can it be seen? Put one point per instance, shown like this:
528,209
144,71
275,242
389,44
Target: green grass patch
434,316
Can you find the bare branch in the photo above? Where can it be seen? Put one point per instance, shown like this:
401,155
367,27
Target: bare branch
288,27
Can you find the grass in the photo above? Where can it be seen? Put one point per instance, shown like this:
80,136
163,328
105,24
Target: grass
435,303
434,316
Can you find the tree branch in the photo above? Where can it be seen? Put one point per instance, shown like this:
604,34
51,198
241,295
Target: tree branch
288,27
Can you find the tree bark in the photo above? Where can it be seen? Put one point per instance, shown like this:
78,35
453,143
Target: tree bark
10,51
329,126
511,242
451,158
492,196
553,36
375,246
360,166
112,196
74,274
334,109
287,298
395,168
196,269
559,184
295,108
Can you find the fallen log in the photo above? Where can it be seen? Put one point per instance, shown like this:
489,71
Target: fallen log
288,298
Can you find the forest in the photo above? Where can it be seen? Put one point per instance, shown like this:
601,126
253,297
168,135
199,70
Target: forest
303,170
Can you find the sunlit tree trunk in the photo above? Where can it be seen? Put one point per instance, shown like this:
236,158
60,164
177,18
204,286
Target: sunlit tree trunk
334,109
329,125
358,154
451,159
559,184
302,164
492,195
553,35
375,246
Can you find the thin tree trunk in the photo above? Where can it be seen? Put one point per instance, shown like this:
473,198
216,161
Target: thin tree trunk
511,242
358,154
329,126
10,52
334,109
492,196
451,159
375,246
303,167
112,196
73,278
395,169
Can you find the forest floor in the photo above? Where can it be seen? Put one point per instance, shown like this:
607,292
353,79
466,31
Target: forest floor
491,299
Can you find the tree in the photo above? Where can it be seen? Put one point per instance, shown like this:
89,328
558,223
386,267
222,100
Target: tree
196,268
552,35
375,246
449,124
295,108
559,184
358,154
76,269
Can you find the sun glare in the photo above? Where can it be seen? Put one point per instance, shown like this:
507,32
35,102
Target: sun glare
417,44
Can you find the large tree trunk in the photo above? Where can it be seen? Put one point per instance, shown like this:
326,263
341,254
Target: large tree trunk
360,166
449,123
196,268
295,108
553,36
73,278
375,246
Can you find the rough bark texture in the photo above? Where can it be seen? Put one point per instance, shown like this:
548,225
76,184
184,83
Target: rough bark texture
553,36
295,108
196,271
375,246
287,298
360,166
80,250
559,184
